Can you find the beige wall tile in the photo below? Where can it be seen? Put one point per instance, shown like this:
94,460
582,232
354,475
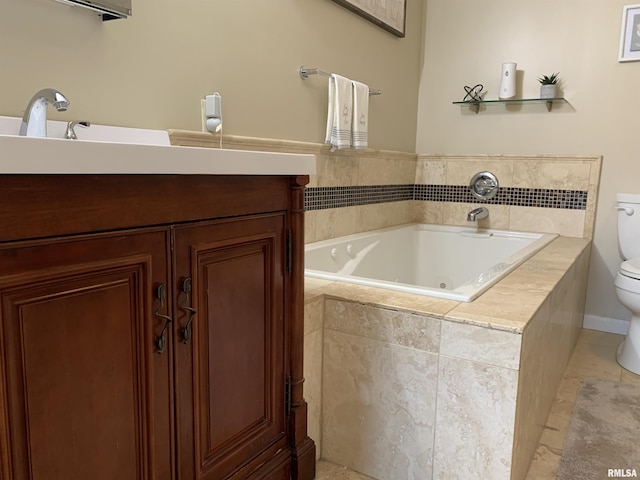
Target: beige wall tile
313,179
547,220
480,344
378,407
381,215
474,420
596,169
430,172
335,222
314,314
551,174
590,213
429,212
390,326
386,171
422,304
456,213
310,226
332,171
313,345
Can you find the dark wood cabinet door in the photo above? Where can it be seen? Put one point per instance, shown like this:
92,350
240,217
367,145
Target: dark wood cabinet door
83,392
231,374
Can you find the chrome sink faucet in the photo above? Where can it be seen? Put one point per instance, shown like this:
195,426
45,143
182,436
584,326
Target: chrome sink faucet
477,214
34,121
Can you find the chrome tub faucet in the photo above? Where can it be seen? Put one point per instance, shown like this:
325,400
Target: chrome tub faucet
477,214
34,121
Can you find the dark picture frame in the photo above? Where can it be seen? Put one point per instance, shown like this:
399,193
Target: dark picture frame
390,15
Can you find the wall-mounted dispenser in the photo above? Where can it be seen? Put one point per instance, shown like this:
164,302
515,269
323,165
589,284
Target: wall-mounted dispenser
508,81
108,9
213,112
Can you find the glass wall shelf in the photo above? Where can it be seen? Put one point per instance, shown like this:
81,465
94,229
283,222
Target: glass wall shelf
475,105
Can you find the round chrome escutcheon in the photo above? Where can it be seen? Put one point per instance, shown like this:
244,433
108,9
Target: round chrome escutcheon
484,185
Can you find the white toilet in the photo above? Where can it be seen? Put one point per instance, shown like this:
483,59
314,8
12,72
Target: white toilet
628,278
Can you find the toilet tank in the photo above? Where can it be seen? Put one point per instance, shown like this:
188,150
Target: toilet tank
629,224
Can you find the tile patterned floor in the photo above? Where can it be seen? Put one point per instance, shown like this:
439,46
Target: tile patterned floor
594,356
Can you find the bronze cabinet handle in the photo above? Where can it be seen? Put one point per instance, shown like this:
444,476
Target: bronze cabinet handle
161,340
187,331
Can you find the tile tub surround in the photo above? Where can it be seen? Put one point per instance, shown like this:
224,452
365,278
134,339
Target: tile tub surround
577,175
557,194
387,188
419,388
593,357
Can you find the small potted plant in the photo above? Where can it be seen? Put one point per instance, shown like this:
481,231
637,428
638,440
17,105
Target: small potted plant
549,85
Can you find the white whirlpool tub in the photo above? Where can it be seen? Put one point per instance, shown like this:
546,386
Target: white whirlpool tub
457,263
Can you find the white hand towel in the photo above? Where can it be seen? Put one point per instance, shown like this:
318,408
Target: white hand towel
360,126
339,113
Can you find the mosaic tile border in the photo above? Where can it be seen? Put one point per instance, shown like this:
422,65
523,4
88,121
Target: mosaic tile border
320,198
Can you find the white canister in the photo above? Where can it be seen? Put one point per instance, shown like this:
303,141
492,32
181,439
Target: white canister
508,81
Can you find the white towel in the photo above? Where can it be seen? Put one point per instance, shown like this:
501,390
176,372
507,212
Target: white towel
339,113
360,125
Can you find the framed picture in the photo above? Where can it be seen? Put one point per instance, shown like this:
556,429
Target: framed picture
630,34
388,14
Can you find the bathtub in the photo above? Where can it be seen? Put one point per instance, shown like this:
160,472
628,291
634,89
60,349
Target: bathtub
457,263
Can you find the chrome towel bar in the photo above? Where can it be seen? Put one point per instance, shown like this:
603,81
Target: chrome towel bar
305,72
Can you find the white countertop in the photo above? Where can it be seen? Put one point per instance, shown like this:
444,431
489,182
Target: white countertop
122,155
23,155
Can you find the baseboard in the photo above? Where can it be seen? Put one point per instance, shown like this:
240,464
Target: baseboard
606,324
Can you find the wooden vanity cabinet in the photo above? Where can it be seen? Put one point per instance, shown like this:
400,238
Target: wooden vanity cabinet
84,394
151,328
234,372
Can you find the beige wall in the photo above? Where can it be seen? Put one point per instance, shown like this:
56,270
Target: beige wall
152,69
466,43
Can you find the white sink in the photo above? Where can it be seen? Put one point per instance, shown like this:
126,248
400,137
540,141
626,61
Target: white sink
102,149
94,133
